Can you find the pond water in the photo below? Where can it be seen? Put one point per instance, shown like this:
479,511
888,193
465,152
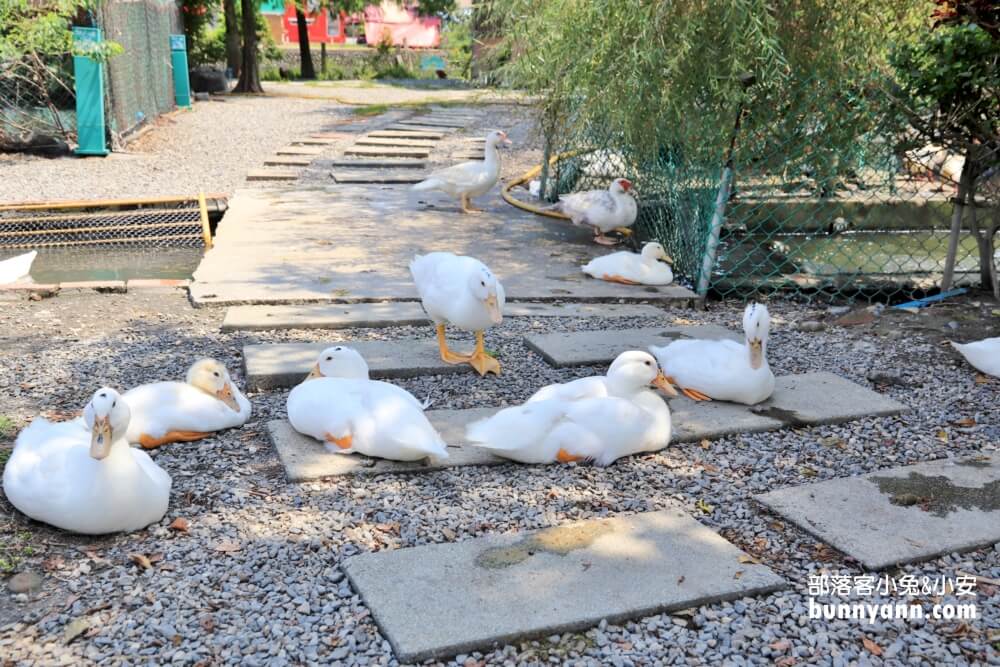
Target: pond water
57,265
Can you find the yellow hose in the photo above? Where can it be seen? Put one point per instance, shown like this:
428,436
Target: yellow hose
527,176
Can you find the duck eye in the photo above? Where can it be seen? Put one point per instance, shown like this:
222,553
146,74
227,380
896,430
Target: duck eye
103,395
216,373
113,404
329,358
648,363
483,283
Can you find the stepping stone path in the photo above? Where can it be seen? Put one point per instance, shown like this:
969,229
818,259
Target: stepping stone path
299,150
404,143
387,151
287,160
314,141
433,122
374,176
799,400
902,515
423,128
438,600
273,175
397,314
286,364
594,348
379,164
406,134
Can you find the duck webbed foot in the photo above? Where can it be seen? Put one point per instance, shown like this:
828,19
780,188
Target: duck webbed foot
467,206
149,442
615,278
695,395
480,360
447,355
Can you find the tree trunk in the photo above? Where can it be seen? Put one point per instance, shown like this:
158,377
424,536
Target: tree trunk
987,249
250,72
958,210
306,71
232,37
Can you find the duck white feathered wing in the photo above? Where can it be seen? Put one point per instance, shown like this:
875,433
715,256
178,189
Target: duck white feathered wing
574,390
474,177
160,407
599,208
717,368
442,280
382,420
52,478
983,355
598,429
16,267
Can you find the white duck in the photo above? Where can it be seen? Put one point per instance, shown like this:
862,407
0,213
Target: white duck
338,405
630,268
723,369
599,418
463,292
164,412
82,476
469,179
15,268
983,355
603,210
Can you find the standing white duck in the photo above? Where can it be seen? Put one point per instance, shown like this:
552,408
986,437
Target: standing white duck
15,268
463,292
338,405
983,355
723,369
630,268
469,179
82,476
599,419
165,412
603,210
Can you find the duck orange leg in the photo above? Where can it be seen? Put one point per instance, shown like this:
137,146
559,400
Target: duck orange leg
695,395
565,457
481,361
615,278
149,442
342,443
447,355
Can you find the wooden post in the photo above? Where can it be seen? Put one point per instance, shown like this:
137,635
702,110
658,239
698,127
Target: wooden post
958,211
322,58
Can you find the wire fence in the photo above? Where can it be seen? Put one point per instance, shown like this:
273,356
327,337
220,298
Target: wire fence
139,81
830,198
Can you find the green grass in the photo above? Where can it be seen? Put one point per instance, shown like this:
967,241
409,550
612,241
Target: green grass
13,550
7,429
370,110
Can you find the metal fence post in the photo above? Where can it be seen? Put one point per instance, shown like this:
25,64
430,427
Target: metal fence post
179,63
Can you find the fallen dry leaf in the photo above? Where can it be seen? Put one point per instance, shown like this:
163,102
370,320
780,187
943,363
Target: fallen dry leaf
75,628
228,547
807,471
141,560
872,647
942,436
180,524
705,444
53,563
708,467
739,573
448,533
981,379
781,645
744,558
965,421
703,506
786,661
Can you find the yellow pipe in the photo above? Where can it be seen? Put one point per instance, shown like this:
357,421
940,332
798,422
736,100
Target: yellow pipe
527,176
103,203
206,231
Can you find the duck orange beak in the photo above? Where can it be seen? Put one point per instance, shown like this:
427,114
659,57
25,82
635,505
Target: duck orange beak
226,396
662,383
314,373
493,306
100,438
756,353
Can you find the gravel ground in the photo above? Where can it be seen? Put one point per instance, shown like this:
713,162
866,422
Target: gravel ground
256,579
209,149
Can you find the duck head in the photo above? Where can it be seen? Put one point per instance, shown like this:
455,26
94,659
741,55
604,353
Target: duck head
756,324
621,186
653,252
498,138
633,371
211,377
107,415
340,362
483,285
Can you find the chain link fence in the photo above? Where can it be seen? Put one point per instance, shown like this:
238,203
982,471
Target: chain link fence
139,81
830,198
36,101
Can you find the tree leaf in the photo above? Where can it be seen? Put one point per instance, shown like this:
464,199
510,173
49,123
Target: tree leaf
180,524
872,647
141,560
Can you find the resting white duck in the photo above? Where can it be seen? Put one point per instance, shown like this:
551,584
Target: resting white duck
15,268
723,369
165,412
469,179
463,292
630,268
82,476
338,405
983,355
597,419
604,210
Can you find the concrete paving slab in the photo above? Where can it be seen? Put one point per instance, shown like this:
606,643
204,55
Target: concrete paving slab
902,515
438,600
426,121
399,313
399,143
590,348
273,175
377,176
316,141
286,364
387,151
299,150
306,459
320,242
422,128
287,161
407,134
831,399
400,163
